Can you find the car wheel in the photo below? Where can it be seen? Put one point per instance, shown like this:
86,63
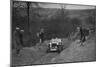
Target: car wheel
48,50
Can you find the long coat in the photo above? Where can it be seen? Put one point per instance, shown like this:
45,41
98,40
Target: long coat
18,40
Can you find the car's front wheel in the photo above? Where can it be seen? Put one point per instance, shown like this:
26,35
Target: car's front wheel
60,48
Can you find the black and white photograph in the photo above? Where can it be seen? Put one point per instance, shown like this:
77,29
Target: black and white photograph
45,33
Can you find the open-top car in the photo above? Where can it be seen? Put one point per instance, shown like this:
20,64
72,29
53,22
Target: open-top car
55,45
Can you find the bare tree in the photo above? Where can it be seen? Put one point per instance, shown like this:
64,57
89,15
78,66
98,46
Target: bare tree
63,10
28,14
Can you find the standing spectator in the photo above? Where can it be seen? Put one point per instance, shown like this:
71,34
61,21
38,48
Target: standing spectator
41,35
18,39
83,35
